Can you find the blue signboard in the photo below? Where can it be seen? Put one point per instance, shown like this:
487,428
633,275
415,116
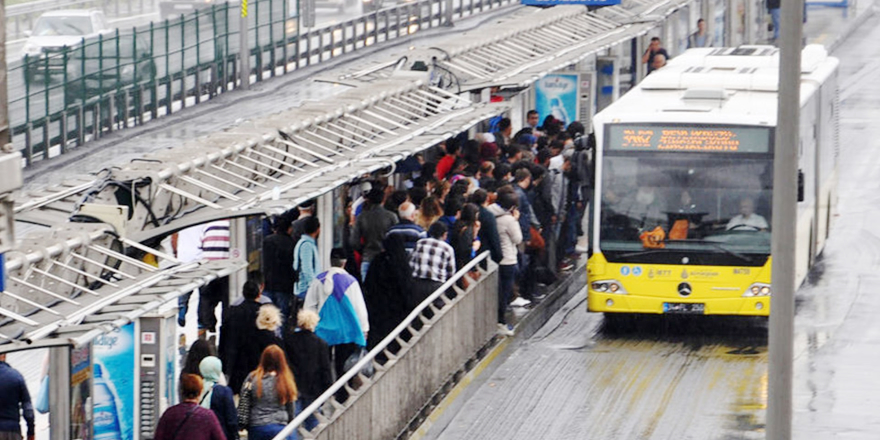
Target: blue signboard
570,2
113,400
557,95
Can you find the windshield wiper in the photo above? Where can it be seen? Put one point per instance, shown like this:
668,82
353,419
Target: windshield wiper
716,246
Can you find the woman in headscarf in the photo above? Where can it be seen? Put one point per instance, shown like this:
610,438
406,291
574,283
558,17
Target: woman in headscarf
386,289
217,397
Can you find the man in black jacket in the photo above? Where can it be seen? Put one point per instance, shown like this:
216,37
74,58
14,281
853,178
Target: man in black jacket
14,403
489,239
241,355
278,265
309,359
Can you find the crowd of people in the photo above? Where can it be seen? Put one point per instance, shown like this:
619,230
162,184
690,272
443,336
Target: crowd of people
520,196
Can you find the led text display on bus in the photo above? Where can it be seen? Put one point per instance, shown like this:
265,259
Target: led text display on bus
694,139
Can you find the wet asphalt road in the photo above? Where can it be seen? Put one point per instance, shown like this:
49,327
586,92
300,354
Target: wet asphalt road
654,378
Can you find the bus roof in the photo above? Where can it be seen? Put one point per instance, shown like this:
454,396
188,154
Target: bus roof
722,85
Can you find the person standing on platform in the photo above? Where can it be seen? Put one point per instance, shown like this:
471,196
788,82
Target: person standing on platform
432,263
309,359
337,299
654,49
217,397
406,228
773,9
278,265
15,402
306,262
187,420
273,395
215,246
370,228
700,38
242,353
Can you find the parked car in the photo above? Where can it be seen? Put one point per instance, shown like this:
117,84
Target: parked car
54,31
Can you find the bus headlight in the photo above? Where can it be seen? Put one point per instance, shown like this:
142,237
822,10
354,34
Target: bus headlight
758,289
608,286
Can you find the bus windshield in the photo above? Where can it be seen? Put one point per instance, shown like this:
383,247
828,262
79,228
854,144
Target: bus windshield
691,208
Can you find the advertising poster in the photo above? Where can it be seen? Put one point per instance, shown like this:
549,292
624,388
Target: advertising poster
114,376
170,363
81,393
557,95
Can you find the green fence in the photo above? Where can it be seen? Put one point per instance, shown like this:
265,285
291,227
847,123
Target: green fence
66,97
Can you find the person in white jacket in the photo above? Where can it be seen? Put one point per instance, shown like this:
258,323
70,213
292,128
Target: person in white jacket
337,298
507,218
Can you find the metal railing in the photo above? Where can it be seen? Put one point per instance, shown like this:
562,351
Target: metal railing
447,337
62,99
21,17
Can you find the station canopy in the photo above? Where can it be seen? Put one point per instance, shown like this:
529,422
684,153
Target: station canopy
518,50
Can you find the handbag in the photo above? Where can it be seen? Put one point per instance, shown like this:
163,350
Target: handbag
244,405
536,241
355,357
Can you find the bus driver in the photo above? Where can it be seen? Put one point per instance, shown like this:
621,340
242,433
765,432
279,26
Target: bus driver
747,217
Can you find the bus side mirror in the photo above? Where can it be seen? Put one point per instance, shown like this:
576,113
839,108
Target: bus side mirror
800,186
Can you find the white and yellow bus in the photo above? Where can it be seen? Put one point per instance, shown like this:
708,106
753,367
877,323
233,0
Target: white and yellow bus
684,183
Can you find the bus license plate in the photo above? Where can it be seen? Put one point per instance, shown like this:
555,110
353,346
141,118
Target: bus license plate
686,308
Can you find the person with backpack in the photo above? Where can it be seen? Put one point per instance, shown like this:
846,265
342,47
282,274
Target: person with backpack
306,263
337,298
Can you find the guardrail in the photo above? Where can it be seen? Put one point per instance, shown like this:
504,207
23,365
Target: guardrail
20,18
77,94
435,342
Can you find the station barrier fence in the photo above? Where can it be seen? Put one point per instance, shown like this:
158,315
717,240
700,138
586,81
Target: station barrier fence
61,99
439,339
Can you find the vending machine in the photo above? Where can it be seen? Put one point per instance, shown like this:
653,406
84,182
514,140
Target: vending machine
157,369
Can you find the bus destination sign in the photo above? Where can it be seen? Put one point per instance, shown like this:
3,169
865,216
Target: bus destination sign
708,139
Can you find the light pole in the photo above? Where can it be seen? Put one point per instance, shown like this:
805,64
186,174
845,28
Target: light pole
244,65
785,191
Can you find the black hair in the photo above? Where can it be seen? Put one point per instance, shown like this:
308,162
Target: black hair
543,155
507,199
655,38
502,169
311,224
437,229
469,213
376,195
479,197
522,174
452,146
531,112
199,350
250,290
504,124
417,194
472,151
395,200
576,129
453,205
282,223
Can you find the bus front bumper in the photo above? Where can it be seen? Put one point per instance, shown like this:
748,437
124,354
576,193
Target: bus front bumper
629,303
